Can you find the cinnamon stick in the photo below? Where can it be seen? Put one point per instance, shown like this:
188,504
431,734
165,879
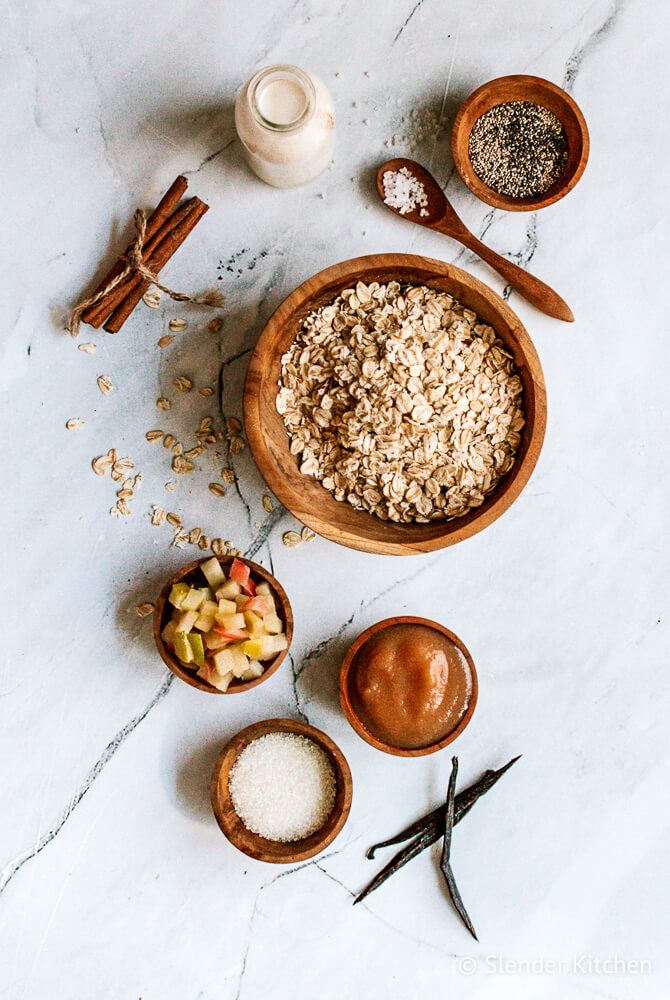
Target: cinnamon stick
165,249
162,211
98,313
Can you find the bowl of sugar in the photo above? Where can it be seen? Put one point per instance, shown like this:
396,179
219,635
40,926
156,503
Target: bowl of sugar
281,791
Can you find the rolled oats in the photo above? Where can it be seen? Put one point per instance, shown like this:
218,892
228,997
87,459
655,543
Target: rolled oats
402,402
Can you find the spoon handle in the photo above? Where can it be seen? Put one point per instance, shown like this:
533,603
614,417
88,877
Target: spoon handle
535,291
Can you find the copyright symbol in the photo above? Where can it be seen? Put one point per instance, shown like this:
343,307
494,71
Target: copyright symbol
467,966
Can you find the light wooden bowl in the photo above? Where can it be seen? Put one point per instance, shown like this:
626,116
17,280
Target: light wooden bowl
345,693
162,616
537,91
278,852
310,502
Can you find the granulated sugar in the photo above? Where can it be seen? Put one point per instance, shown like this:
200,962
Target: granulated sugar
405,192
282,787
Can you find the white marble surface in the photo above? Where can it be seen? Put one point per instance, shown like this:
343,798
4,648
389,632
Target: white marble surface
115,881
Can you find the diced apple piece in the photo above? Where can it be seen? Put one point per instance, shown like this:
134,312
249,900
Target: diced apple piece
183,648
273,624
249,587
178,593
205,672
205,623
240,661
265,648
254,670
228,591
256,604
254,624
213,572
279,643
192,600
232,634
167,635
219,682
239,572
226,607
195,642
209,608
263,588
229,622
214,640
230,661
241,600
186,621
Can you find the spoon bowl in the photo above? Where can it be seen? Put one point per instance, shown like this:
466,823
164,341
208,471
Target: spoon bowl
437,202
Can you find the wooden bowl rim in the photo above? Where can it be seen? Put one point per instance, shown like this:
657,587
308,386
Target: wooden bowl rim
461,159
272,851
350,712
452,531
190,676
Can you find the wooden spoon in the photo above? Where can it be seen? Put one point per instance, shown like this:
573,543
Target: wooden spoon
442,217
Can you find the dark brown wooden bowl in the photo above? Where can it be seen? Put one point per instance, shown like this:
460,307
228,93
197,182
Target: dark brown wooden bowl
162,616
537,91
307,499
345,692
278,852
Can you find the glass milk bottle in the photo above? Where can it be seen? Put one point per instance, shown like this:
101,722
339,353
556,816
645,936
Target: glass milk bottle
285,119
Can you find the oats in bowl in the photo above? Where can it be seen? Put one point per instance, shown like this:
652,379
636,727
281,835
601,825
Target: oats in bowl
399,400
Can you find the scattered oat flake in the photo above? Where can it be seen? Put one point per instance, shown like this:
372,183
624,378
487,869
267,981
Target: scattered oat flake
163,403
182,465
153,435
215,325
169,440
158,515
203,542
194,452
291,539
234,425
137,482
236,445
177,324
164,341
101,464
268,504
113,455
144,610
174,520
169,486
151,299
307,534
217,489
74,423
219,547
228,475
105,384
194,535
124,494
87,348
206,390
183,383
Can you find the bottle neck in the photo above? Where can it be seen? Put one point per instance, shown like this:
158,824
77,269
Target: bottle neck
282,99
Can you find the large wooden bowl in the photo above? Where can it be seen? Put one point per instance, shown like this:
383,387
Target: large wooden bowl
346,681
537,91
250,843
163,611
310,502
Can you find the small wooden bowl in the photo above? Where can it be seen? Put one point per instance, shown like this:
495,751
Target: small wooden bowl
345,693
537,91
162,616
307,499
278,852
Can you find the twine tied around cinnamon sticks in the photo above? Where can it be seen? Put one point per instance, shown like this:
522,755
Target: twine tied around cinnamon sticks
157,238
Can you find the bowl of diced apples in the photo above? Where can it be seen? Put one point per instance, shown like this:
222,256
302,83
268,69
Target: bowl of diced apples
223,625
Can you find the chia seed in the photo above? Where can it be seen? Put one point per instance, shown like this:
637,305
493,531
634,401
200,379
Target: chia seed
519,149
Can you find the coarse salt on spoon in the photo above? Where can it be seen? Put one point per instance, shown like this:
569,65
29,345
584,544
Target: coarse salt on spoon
426,204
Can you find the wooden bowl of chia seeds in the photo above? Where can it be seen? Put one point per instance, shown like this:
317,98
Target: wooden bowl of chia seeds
520,143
